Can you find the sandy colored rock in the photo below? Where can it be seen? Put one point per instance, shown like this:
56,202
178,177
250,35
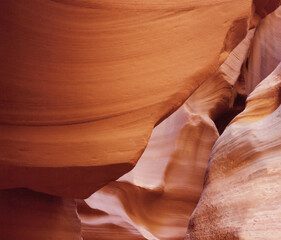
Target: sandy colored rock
84,82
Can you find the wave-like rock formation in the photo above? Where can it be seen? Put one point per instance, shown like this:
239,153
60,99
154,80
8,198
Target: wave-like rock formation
83,83
157,197
241,196
188,91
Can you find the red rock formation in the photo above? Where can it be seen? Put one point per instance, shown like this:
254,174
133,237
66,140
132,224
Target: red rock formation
27,215
264,7
157,197
84,82
82,85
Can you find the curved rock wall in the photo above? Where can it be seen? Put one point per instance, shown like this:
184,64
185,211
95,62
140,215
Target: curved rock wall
158,196
241,196
91,88
83,83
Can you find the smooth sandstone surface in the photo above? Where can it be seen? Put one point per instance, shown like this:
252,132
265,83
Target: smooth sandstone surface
156,198
83,83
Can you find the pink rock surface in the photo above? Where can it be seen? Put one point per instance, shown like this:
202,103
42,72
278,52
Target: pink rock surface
241,196
266,50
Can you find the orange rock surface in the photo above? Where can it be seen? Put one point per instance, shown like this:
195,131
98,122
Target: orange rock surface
157,197
84,82
188,91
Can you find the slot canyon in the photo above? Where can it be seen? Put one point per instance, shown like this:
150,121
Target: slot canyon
140,119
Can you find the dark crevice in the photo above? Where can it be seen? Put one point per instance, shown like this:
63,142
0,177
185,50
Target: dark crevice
223,120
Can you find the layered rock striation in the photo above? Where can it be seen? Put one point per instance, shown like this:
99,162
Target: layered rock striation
156,198
89,89
241,196
83,83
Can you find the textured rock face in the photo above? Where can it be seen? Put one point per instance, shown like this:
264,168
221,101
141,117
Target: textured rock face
157,197
84,82
241,196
